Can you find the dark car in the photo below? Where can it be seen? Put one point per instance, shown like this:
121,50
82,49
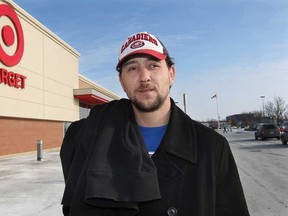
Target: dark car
283,127
267,130
284,136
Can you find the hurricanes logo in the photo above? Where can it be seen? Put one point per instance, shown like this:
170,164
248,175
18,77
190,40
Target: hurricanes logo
8,37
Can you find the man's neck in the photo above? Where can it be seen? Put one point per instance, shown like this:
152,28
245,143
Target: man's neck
156,118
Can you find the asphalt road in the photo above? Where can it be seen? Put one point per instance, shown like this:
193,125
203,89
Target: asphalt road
31,188
263,170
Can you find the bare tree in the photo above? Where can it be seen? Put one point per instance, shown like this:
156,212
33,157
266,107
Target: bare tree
286,115
258,116
276,109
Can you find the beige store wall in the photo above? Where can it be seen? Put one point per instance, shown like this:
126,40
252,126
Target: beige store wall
51,68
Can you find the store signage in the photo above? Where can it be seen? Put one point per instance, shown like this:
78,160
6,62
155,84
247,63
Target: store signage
8,77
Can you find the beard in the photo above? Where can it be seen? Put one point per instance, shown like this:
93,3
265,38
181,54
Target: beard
155,105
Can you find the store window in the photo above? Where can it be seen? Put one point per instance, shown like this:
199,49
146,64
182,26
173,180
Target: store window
84,109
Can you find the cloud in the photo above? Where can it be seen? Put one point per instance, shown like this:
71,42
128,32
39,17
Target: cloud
238,88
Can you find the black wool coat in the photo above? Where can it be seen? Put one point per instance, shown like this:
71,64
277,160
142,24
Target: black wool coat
196,171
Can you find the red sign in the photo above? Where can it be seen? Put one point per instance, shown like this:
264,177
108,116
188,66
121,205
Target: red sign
7,35
12,79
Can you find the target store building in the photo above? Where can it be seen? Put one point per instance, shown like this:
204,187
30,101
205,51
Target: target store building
41,90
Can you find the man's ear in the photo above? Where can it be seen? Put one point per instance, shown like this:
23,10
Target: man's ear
172,73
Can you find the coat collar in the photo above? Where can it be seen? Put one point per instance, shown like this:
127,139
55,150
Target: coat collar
180,137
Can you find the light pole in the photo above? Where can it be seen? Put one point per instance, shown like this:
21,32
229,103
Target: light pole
262,97
185,101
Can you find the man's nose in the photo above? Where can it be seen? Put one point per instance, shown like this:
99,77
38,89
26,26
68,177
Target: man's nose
144,74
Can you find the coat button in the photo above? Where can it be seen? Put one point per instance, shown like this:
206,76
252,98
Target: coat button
172,211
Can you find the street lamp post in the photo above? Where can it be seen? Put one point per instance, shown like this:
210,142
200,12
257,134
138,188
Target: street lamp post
262,97
185,100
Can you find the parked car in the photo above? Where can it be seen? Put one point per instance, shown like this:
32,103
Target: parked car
284,136
267,130
283,127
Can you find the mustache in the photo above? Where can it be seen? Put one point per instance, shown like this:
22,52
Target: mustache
144,86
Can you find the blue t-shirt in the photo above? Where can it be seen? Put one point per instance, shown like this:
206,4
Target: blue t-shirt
152,136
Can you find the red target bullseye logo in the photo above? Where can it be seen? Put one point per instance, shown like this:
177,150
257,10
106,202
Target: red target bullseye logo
8,38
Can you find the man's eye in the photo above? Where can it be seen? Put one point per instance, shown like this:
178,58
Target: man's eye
154,66
131,68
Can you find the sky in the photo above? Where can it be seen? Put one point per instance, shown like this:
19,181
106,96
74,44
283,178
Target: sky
237,49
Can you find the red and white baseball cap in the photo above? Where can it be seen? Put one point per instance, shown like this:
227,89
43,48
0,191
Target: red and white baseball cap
141,43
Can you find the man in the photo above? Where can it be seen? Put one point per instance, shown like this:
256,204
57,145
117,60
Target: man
145,156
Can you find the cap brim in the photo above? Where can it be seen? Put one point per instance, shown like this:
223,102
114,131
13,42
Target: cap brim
153,53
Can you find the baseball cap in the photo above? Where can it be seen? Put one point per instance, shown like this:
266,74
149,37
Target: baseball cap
142,43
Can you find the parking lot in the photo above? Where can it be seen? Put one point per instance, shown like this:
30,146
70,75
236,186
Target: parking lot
32,188
263,170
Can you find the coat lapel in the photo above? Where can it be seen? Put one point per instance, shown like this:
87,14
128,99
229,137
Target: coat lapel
178,147
180,137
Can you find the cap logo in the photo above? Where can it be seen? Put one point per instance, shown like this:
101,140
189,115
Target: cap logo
137,37
137,44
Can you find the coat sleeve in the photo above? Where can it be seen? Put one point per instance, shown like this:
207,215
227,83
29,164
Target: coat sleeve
69,145
75,149
67,152
230,199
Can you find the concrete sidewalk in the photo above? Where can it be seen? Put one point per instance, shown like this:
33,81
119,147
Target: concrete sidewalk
29,187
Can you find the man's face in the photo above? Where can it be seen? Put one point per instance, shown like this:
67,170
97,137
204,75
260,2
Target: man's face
147,82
